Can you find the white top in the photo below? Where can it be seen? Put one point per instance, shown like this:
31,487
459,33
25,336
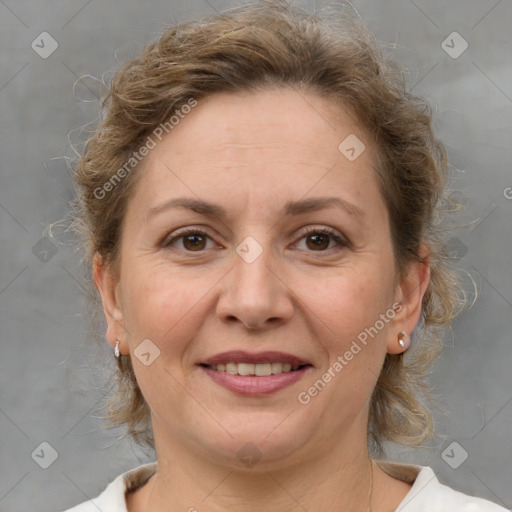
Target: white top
427,494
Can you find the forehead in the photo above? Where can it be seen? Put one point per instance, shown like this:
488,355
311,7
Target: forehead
261,148
264,123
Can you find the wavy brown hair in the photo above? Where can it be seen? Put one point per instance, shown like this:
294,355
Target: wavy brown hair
265,45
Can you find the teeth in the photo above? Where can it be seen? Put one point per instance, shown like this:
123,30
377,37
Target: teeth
276,368
231,368
259,369
262,370
245,369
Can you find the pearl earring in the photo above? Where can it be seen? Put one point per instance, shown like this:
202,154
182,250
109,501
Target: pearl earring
116,350
402,336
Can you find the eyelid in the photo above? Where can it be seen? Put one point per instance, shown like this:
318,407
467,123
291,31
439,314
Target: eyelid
336,236
182,232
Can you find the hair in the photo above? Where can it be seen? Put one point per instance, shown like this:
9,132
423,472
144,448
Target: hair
271,44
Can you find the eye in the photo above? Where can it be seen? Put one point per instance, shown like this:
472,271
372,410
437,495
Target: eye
192,240
195,240
319,239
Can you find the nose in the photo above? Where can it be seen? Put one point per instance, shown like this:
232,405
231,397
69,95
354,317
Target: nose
255,294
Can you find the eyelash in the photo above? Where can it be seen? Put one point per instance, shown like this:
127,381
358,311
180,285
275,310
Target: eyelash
342,242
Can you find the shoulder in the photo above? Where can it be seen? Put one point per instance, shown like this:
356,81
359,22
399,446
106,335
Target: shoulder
112,499
428,494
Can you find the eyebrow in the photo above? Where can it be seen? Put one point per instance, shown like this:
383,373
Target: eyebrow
291,208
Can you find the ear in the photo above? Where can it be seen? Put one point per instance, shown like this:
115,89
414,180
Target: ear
107,284
409,296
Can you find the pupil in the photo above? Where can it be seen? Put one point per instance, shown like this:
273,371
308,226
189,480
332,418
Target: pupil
317,241
196,241
193,241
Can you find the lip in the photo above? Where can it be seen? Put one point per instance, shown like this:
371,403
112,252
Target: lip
240,356
250,385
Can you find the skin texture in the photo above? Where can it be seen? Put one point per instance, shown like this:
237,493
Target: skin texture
251,154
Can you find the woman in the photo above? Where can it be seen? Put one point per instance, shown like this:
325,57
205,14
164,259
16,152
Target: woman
260,207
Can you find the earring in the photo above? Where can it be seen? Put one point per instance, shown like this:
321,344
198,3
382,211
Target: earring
402,337
116,350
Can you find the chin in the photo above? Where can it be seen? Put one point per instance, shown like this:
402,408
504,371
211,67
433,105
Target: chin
260,443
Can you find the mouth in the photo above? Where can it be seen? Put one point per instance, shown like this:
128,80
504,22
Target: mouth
255,369
258,374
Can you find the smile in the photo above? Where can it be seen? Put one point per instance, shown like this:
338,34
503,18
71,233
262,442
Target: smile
258,369
255,374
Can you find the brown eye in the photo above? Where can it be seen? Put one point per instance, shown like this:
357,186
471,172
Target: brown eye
194,242
318,241
322,240
191,240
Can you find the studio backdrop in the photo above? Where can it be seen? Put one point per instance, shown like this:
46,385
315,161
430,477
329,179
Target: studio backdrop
55,57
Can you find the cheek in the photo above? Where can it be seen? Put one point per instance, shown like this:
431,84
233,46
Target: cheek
166,307
162,302
348,301
347,310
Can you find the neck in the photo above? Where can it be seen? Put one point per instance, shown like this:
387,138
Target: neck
338,478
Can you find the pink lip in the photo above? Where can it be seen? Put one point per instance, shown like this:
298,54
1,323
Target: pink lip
250,385
239,356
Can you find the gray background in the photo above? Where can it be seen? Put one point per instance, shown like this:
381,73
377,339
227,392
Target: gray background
52,383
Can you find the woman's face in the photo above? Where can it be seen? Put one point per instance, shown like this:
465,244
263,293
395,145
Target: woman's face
288,250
